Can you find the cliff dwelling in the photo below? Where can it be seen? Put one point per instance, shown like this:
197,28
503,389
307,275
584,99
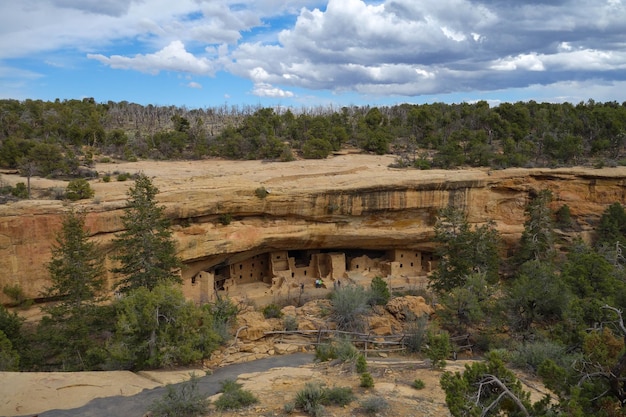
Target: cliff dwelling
280,272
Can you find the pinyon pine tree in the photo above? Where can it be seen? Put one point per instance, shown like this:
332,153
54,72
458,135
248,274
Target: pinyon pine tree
146,251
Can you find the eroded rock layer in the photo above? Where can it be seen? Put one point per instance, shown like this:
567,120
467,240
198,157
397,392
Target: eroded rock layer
345,202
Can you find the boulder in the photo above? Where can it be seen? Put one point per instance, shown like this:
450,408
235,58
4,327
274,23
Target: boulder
256,326
401,306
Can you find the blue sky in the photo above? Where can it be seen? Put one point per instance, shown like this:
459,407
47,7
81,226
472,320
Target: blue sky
303,53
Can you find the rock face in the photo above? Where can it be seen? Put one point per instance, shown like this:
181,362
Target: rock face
342,203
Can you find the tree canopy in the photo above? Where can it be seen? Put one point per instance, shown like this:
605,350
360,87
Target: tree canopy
145,250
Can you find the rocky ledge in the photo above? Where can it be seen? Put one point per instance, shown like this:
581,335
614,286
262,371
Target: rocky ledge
341,203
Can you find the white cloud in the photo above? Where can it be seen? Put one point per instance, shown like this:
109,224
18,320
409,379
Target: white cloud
173,57
527,62
267,90
193,84
384,47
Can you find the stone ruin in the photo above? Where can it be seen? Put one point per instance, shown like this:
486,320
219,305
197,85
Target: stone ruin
280,272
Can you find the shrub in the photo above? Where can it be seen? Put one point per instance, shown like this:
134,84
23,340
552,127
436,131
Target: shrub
261,192
123,176
439,348
57,193
225,219
340,396
325,352
272,311
366,380
350,304
234,397
20,190
346,350
379,292
418,384
361,364
416,334
184,401
310,399
16,293
290,323
374,405
313,397
531,355
79,189
106,178
342,349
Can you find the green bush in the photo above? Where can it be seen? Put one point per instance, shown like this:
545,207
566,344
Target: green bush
79,189
374,405
439,348
341,349
325,352
310,399
379,292
340,396
123,176
184,401
20,190
346,350
366,380
234,397
350,305
16,293
531,355
225,219
313,397
418,384
272,311
261,192
361,364
106,178
290,323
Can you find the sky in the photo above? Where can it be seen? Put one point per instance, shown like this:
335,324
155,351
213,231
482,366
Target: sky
308,53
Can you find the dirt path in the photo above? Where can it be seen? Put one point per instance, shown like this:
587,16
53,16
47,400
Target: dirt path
137,405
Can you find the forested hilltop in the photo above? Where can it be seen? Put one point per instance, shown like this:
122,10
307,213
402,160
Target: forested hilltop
56,138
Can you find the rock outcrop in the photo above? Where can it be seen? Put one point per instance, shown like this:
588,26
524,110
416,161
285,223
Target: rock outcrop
345,202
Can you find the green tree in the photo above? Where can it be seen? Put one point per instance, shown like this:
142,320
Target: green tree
538,239
379,291
158,327
612,226
489,389
79,189
468,304
11,340
536,294
146,250
77,276
463,251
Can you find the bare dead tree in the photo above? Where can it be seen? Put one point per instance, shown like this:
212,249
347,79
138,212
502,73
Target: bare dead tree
487,383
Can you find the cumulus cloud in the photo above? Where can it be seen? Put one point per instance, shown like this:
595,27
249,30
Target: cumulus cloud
384,47
267,90
193,84
411,48
173,57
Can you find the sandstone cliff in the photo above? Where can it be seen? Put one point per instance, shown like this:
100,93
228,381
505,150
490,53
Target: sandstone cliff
344,202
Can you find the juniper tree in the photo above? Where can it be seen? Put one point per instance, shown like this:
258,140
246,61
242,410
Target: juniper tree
463,251
145,250
538,239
